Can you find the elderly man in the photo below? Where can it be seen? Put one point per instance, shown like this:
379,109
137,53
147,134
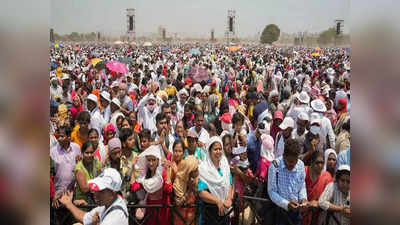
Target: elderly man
96,120
147,111
111,208
126,101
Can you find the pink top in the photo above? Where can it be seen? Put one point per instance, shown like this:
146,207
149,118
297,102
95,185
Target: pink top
262,170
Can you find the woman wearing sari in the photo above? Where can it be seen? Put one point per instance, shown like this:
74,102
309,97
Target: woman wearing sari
341,110
330,112
316,181
185,188
330,162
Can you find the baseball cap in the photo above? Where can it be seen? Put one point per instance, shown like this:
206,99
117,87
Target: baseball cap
108,179
105,95
344,167
287,122
92,97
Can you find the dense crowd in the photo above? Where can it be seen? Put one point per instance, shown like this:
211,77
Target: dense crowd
164,124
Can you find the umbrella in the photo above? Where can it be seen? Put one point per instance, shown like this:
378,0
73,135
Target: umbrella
100,65
315,54
146,44
95,61
233,48
118,43
117,67
194,51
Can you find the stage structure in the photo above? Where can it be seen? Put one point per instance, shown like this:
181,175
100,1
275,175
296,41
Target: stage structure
230,32
130,21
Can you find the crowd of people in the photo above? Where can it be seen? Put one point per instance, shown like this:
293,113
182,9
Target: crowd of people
206,128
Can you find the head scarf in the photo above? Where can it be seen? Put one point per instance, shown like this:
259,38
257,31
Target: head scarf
187,165
107,128
217,184
154,183
327,153
211,102
267,148
62,113
343,101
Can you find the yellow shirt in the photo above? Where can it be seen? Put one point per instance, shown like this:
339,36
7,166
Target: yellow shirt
76,137
171,90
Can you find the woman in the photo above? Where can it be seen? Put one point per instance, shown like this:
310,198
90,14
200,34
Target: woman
185,188
76,104
267,156
180,132
119,124
341,110
274,129
330,112
137,127
86,169
215,184
176,157
212,109
330,162
155,182
343,139
316,181
109,133
100,150
227,143
336,199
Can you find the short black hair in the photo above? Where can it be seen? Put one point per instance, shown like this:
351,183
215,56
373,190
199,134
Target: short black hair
160,116
198,114
83,116
86,145
340,173
65,129
164,106
237,117
145,133
124,134
292,148
315,155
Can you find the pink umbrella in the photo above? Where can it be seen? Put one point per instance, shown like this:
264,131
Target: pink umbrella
117,67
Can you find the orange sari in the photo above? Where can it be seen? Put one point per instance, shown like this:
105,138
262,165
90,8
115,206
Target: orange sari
314,191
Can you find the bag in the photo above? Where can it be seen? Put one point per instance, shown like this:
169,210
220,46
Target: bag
115,207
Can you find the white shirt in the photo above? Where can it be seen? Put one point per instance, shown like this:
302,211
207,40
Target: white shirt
97,121
326,129
280,146
116,216
147,118
114,117
203,135
55,92
171,140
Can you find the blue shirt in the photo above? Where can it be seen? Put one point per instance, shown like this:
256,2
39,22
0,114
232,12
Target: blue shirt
343,158
253,151
291,184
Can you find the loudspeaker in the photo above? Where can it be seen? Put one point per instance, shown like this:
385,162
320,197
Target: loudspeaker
338,28
231,24
131,23
163,34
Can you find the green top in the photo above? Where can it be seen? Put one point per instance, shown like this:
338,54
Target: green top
200,153
79,195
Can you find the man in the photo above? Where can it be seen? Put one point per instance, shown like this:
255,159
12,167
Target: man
254,148
147,111
303,100
288,190
300,132
96,120
162,136
167,110
286,127
105,103
56,90
111,208
326,127
115,111
64,155
80,134
126,101
198,129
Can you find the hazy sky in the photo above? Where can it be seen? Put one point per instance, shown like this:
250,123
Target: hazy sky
189,17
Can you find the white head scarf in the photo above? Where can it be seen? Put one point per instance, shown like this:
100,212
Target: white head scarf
327,153
217,184
154,183
267,147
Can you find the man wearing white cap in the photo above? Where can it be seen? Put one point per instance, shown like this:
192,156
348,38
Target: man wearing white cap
55,89
147,111
96,120
299,133
126,101
111,210
287,127
115,111
326,127
295,110
105,101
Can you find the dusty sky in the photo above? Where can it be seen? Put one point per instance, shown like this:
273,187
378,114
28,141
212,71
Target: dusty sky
196,18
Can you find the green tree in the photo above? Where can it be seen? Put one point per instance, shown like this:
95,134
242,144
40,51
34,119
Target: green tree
270,34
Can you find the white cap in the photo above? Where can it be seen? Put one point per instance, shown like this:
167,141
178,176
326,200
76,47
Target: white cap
266,114
303,97
92,97
344,167
315,129
287,122
302,116
318,105
116,101
108,179
105,95
65,77
114,84
239,150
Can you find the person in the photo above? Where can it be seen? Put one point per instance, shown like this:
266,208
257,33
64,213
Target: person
136,126
226,142
330,112
80,134
201,133
343,138
267,156
254,148
330,162
96,120
111,208
100,151
105,105
76,105
278,118
342,114
343,158
109,133
335,200
326,127
188,116
176,158
115,106
194,148
156,183
145,140
212,109
162,136
286,182
56,90
126,101
238,132
215,184
286,128
185,188
114,154
88,168
64,156
180,132
316,181
147,112
300,132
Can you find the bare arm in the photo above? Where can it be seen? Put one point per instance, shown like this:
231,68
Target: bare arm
81,180
66,200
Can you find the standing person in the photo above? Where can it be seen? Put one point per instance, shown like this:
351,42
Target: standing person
193,147
185,188
176,158
341,108
88,168
64,156
267,156
109,133
343,139
326,127
156,183
105,105
111,208
316,181
80,134
286,133
278,118
330,162
96,120
335,200
330,112
215,184
100,151
198,129
115,106
136,126
300,132
162,136
126,101
286,182
147,112
254,148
